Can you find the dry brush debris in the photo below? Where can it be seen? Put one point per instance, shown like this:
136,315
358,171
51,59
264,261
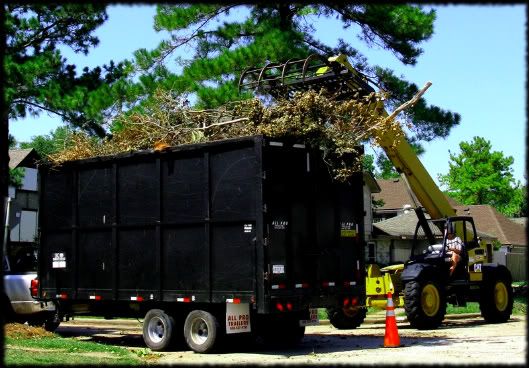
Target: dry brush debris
337,127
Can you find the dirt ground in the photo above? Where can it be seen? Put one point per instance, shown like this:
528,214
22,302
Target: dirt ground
460,341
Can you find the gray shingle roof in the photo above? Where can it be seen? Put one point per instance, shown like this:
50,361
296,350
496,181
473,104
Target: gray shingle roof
489,220
23,158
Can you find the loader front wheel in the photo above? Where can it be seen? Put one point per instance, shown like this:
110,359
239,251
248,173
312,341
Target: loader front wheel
346,318
496,299
425,304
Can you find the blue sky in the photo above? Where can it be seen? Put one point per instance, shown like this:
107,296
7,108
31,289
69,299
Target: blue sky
476,61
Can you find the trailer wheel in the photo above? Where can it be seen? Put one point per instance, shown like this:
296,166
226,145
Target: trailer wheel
346,318
201,331
158,329
425,304
496,299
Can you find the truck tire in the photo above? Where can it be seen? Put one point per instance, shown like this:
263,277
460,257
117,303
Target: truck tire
201,331
424,303
346,319
496,299
158,329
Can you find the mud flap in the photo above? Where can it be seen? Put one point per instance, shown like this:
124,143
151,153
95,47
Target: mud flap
313,321
238,318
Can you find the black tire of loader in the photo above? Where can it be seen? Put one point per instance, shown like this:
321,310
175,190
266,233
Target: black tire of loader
414,309
487,302
341,321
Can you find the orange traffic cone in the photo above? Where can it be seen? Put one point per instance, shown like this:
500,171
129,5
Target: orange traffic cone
391,338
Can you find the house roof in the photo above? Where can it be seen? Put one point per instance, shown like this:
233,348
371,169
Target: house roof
395,195
489,220
403,226
23,158
371,182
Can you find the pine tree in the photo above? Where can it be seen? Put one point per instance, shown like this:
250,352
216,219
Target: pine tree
271,32
38,79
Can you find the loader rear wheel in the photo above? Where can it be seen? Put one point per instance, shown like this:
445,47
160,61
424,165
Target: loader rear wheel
425,304
201,331
346,318
496,299
158,330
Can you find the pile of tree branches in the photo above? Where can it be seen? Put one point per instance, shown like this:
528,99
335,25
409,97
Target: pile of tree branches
314,118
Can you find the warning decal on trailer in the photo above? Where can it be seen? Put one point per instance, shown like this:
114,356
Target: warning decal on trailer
348,229
237,318
59,260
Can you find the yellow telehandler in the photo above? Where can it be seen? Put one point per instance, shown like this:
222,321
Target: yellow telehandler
424,284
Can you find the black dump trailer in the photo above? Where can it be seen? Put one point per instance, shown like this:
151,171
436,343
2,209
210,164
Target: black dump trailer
245,235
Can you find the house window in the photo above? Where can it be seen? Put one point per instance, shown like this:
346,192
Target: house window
25,228
371,253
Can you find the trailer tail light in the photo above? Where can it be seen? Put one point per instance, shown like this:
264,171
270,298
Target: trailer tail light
234,301
136,298
349,283
279,286
328,283
345,302
34,289
62,296
280,307
354,301
303,285
289,306
95,297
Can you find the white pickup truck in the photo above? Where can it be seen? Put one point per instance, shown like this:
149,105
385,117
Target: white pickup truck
19,305
19,277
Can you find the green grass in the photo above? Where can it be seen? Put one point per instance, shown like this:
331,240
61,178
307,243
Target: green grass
60,351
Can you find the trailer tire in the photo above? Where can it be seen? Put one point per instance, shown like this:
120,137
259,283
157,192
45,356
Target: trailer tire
158,329
201,331
346,319
496,299
424,303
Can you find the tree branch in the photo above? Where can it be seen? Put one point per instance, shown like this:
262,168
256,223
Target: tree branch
409,103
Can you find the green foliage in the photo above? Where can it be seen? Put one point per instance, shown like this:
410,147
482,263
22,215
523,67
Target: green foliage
49,144
387,171
54,350
478,175
37,78
16,176
224,45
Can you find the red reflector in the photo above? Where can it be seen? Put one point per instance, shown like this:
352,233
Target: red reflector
305,285
187,299
289,306
345,302
280,307
139,298
282,286
236,301
34,287
63,296
325,284
98,297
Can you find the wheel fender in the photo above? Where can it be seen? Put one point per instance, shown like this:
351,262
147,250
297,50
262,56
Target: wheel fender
415,271
495,270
